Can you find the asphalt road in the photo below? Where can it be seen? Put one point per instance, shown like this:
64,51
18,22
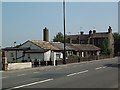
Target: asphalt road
93,74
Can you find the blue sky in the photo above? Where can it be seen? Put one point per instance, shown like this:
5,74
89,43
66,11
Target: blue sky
0,25
26,20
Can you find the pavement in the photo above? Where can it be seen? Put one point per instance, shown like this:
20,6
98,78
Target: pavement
92,74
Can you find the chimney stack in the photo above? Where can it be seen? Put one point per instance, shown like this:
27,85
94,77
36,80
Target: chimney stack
45,34
82,33
94,31
90,32
109,29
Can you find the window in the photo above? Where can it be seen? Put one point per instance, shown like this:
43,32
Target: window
58,56
12,55
28,55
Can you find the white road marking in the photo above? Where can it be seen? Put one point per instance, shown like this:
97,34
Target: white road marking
1,71
104,67
71,74
100,67
30,84
77,73
82,72
35,72
21,75
3,77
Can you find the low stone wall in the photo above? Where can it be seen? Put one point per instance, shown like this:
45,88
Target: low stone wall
82,59
59,62
71,60
13,66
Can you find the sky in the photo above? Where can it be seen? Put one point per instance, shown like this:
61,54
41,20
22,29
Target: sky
22,21
0,24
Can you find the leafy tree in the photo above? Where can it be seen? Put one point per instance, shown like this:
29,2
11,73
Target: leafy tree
104,48
59,37
116,43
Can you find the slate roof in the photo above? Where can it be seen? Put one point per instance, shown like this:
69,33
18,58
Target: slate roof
86,36
14,48
44,44
55,46
36,51
85,47
100,35
81,37
60,46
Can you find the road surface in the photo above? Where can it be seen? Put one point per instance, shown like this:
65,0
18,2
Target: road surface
92,74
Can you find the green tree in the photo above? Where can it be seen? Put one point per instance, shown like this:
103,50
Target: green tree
104,48
59,37
116,43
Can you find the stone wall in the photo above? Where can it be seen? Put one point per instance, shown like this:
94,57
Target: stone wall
82,59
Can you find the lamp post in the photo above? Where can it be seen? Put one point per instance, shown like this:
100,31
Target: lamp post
64,53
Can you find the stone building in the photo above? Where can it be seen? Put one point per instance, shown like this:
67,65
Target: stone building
95,38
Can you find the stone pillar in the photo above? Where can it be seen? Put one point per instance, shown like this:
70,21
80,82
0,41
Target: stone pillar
98,53
4,61
86,54
82,54
110,41
69,40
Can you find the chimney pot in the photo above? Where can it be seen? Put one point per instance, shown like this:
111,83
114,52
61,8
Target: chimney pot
82,33
109,29
90,32
94,31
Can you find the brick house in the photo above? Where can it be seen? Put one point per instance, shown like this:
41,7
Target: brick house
95,38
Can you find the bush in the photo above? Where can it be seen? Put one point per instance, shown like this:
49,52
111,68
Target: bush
14,61
24,61
73,56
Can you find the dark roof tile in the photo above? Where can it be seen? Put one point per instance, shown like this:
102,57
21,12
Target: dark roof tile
86,47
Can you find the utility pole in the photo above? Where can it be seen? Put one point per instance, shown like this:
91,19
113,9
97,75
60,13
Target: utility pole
64,53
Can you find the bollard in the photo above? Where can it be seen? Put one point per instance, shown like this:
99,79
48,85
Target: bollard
78,59
56,62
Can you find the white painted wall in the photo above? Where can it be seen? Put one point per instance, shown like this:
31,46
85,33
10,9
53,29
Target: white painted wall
82,54
98,53
56,55
13,66
59,55
39,56
53,56
47,55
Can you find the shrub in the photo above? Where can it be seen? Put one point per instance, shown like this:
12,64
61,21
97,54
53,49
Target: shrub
14,61
73,56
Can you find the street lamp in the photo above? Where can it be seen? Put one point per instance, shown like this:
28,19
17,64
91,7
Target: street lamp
64,53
